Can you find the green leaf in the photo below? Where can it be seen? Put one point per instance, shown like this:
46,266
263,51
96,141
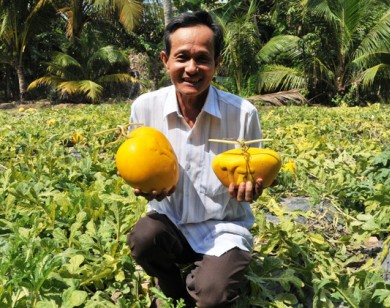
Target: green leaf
382,296
73,267
288,277
73,298
317,238
46,304
287,298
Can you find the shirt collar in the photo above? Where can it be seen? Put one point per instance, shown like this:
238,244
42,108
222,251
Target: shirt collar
211,105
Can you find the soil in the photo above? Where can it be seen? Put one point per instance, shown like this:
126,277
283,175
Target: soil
36,105
373,246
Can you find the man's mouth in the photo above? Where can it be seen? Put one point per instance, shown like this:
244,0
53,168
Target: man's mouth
192,81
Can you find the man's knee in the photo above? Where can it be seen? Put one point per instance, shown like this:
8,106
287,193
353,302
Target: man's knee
152,237
217,281
214,294
142,238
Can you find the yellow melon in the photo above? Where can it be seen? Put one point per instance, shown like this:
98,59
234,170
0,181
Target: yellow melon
146,161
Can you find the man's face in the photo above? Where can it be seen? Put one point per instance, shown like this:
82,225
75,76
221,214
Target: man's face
191,64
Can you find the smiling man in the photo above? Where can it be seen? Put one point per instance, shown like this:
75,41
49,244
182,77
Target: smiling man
191,63
199,221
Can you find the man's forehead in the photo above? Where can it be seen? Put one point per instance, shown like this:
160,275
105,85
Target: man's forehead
192,36
195,29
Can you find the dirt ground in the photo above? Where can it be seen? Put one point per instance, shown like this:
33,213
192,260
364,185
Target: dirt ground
36,105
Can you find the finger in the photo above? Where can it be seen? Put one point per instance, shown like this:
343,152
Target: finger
241,192
232,191
152,195
249,191
259,187
137,192
162,195
171,191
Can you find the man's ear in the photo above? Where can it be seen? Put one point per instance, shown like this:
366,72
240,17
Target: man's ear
164,59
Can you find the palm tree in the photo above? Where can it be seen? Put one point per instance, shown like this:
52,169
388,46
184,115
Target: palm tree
274,76
79,12
147,41
19,21
242,40
349,54
245,34
345,19
167,5
85,77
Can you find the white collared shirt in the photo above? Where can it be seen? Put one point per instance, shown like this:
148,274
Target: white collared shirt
201,207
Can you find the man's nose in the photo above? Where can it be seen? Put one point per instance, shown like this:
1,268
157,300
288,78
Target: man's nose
192,67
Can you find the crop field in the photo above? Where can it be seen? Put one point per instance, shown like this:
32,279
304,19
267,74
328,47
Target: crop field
65,213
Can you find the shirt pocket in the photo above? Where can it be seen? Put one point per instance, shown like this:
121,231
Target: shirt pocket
210,185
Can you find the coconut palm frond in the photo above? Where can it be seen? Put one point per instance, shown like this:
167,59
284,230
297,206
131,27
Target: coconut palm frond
45,80
6,31
117,78
66,67
280,98
110,55
344,17
65,60
274,77
91,89
66,72
352,14
287,44
129,13
349,16
371,59
103,5
81,11
69,87
106,61
377,39
322,9
368,76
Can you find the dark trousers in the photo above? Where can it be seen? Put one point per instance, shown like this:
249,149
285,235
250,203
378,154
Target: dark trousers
160,248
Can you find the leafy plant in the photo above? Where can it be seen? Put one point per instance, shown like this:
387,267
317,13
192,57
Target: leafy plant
20,20
65,214
81,12
86,76
357,53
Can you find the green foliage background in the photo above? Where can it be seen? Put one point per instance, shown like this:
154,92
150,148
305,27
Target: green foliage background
65,214
332,52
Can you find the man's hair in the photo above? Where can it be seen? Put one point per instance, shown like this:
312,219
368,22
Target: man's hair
190,19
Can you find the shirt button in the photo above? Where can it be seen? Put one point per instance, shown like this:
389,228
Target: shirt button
188,167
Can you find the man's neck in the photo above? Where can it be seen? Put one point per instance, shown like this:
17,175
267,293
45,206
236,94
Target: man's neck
191,106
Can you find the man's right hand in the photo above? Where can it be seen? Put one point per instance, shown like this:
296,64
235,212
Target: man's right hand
246,191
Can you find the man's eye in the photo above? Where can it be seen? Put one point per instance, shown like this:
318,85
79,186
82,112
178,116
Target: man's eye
181,58
203,59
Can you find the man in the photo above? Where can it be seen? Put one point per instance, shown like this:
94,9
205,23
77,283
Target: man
199,221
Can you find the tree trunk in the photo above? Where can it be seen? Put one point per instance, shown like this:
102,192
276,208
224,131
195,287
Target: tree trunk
22,81
167,5
78,19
